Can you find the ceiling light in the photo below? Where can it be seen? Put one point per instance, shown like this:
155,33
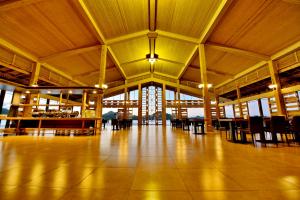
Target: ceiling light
70,92
151,58
27,91
272,86
49,92
104,86
97,85
209,85
34,85
94,92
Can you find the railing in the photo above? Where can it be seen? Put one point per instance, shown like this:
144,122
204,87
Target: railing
185,103
119,103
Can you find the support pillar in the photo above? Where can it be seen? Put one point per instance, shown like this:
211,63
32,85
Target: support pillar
2,96
205,93
101,82
163,112
217,107
140,113
178,103
281,110
238,92
35,74
83,106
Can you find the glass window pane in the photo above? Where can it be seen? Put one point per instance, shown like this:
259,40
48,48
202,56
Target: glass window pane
265,107
253,108
229,111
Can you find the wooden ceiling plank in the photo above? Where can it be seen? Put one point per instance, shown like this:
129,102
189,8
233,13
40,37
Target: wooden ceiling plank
214,20
127,37
166,75
14,4
116,62
237,51
133,61
177,37
92,21
188,62
152,14
170,61
71,52
292,1
9,66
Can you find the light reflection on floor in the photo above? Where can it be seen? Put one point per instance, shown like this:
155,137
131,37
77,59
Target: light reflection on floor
148,163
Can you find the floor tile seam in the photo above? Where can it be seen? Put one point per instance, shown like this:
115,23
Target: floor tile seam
182,179
230,178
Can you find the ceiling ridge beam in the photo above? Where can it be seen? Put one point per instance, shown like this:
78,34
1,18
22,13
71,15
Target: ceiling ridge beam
176,36
13,4
132,61
214,20
70,52
152,14
117,63
165,75
127,37
138,75
188,62
171,61
237,51
92,22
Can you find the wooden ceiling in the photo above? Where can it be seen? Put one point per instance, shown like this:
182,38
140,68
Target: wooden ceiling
67,35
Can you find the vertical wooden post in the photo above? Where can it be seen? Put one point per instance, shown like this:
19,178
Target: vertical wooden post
277,91
102,71
35,74
83,106
140,113
238,92
178,103
125,102
164,113
206,97
217,106
2,95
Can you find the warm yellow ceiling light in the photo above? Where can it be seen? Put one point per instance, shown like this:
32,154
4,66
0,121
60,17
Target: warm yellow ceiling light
104,86
209,85
152,58
272,86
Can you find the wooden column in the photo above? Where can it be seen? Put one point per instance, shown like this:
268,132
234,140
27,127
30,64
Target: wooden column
140,113
238,92
83,106
35,74
217,106
206,98
164,113
125,102
277,91
102,70
178,103
2,96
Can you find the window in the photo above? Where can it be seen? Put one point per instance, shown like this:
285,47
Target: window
53,102
253,108
134,95
7,102
42,102
195,112
188,97
265,107
116,97
229,111
170,95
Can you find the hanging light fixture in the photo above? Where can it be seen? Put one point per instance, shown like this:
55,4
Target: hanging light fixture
152,58
209,85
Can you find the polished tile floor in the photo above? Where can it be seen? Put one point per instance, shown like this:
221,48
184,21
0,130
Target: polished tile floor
149,163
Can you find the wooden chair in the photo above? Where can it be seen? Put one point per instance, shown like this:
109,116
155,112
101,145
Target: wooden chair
278,125
223,126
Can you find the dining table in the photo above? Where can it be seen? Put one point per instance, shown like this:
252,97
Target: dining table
233,127
196,122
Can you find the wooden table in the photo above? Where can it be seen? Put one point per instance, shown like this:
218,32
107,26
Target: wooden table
198,122
232,127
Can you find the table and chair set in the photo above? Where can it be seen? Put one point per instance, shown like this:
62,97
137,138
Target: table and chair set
273,130
185,124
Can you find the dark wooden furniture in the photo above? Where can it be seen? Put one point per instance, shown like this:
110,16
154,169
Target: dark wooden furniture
198,122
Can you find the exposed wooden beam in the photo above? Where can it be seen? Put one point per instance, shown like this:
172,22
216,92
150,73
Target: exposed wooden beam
254,67
292,1
285,51
9,66
14,4
127,37
179,37
87,74
217,73
224,4
188,62
152,14
133,61
238,52
92,21
70,52
166,75
138,75
53,69
170,61
116,62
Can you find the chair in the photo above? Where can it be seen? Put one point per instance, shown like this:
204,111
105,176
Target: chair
256,126
278,125
223,126
115,124
295,128
186,124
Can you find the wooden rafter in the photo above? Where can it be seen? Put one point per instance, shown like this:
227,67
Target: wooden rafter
127,37
214,20
188,62
71,52
237,51
14,4
176,36
116,62
152,14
